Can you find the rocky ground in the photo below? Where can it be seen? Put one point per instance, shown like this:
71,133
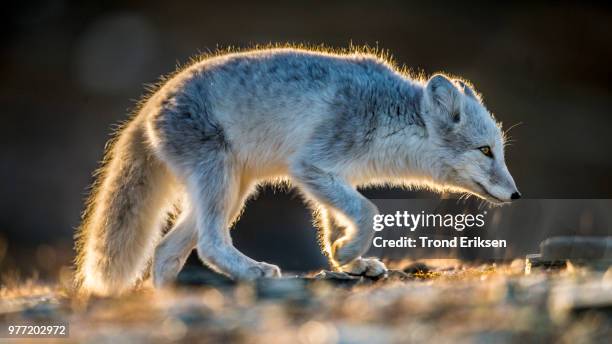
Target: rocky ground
436,301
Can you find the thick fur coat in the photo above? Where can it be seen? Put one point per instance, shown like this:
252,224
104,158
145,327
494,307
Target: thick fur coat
325,122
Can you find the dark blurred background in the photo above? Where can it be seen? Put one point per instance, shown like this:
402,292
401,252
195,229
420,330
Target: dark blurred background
72,69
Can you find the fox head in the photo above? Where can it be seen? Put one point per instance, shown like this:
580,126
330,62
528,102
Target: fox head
467,142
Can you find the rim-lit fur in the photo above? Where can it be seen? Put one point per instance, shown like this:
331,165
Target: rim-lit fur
322,121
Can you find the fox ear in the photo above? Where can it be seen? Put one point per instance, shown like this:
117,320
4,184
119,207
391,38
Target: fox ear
443,93
467,90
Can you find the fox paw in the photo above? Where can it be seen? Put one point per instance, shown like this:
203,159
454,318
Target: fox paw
262,270
371,267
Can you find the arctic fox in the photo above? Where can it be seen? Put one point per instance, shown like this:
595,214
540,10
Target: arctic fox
326,122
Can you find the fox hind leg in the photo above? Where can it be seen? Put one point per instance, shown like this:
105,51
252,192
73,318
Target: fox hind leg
174,249
215,191
192,142
172,252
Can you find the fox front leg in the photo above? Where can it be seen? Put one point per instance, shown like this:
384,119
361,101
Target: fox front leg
331,230
351,209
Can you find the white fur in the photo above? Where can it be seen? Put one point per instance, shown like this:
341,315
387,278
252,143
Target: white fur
324,122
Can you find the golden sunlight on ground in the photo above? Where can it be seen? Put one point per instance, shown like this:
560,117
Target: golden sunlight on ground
430,301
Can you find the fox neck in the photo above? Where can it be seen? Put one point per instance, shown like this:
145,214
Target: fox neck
410,156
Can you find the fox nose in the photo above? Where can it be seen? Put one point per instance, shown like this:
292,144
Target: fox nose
515,195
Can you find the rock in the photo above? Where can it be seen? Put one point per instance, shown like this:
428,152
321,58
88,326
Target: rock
338,278
535,261
335,275
417,267
570,299
398,275
200,276
555,252
43,310
286,288
194,316
576,248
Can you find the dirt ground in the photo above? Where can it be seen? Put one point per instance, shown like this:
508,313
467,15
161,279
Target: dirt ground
435,301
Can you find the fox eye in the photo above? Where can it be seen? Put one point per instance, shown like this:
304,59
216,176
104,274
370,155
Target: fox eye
486,150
